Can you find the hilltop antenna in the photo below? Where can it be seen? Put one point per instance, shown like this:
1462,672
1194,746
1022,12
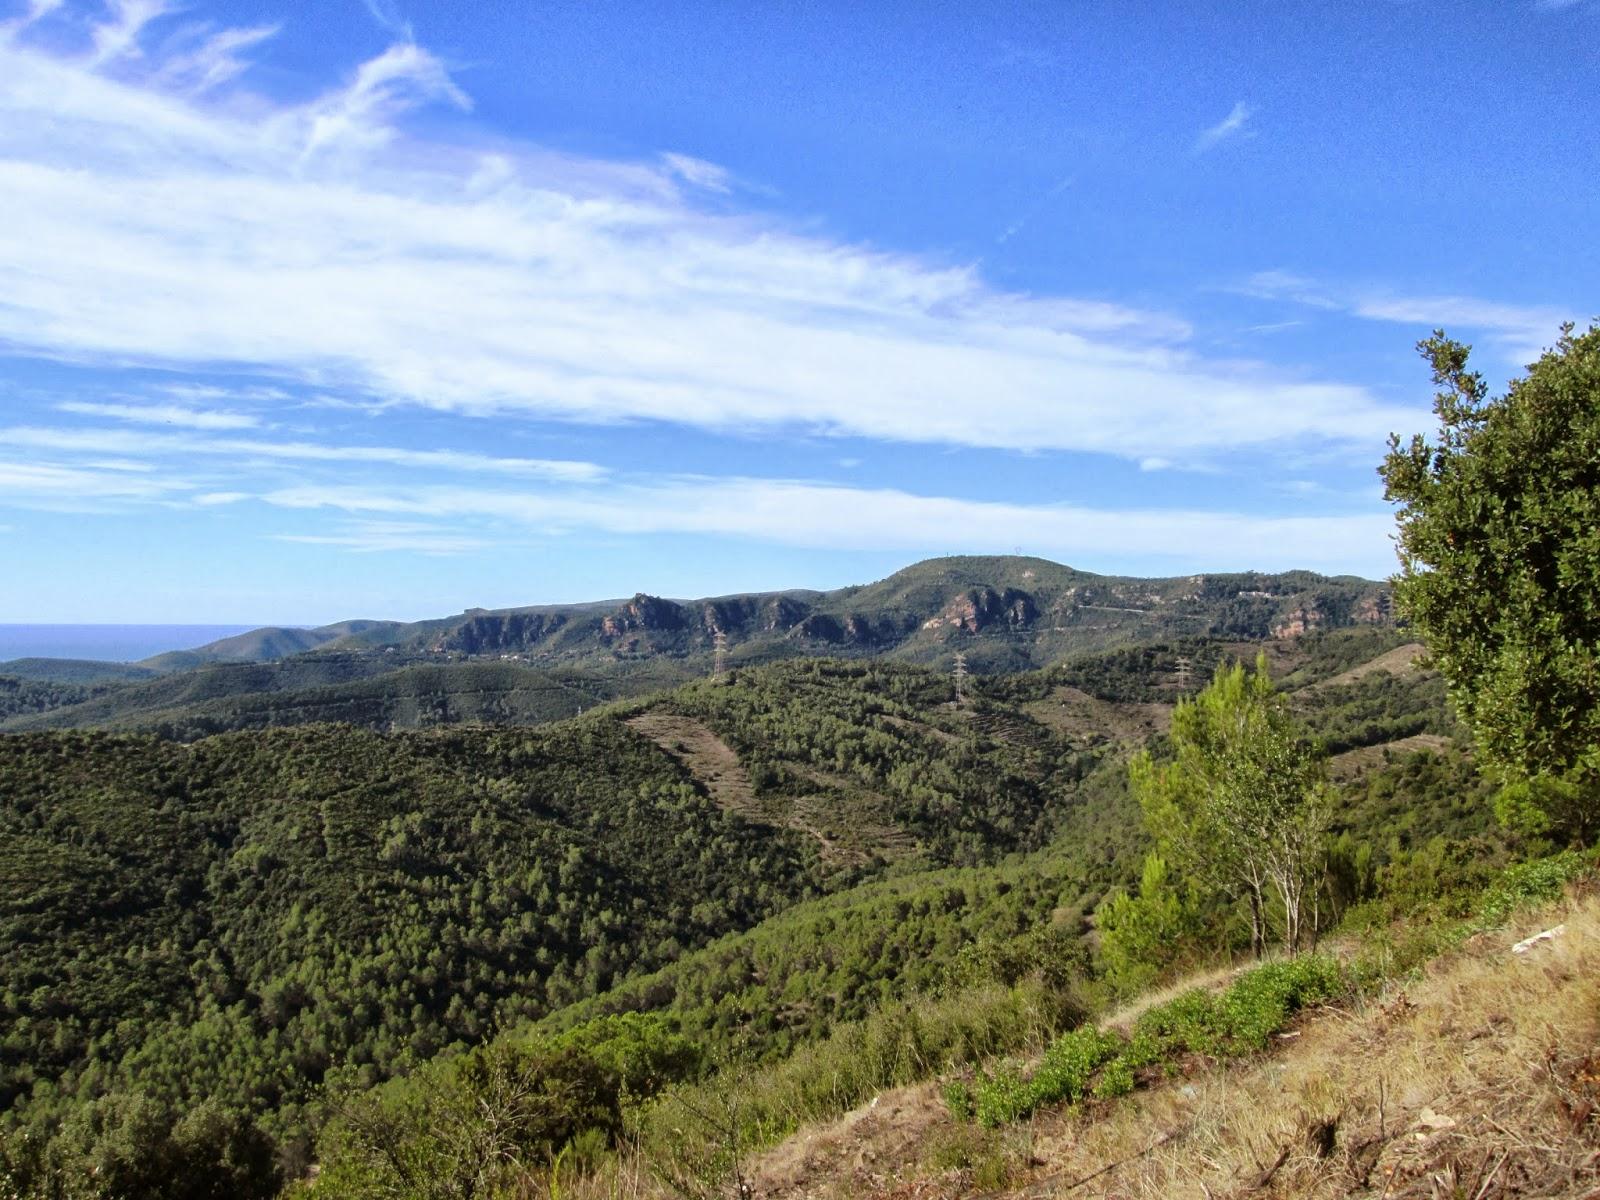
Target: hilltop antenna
959,671
719,655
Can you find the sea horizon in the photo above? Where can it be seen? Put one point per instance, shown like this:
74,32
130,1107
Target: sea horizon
106,642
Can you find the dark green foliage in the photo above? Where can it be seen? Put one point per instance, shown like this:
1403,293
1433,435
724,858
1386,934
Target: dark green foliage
280,920
1376,708
127,1146
641,1051
880,738
827,962
23,697
466,1127
259,912
1499,536
80,671
371,690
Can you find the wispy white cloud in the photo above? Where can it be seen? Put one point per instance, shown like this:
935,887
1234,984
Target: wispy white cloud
1520,331
139,441
1235,124
803,513
36,11
119,37
360,116
162,414
699,172
369,537
213,58
388,18
312,242
81,488
218,499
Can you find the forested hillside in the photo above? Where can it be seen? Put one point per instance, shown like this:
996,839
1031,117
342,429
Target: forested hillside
255,916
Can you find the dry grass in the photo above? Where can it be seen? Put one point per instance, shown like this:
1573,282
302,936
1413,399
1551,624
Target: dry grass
1213,980
1401,661
1079,716
1480,1080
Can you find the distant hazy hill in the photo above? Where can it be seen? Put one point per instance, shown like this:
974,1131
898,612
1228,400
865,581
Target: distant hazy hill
1008,613
528,665
263,645
73,670
370,690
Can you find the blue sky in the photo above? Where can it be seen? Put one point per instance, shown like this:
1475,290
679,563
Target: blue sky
357,309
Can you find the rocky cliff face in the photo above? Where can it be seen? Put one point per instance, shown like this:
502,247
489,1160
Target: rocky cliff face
1299,621
1039,611
501,633
978,609
643,614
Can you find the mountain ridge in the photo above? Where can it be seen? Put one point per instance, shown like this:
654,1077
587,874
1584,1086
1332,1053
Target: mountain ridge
1043,608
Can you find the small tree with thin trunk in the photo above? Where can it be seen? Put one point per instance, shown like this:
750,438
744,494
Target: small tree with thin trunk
1243,806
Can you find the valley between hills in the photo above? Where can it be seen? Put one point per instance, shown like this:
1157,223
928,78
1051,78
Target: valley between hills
313,915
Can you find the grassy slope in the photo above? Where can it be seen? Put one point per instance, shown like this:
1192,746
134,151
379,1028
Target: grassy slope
1478,1077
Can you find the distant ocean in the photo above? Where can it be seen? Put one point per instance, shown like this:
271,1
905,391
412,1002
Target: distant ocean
107,643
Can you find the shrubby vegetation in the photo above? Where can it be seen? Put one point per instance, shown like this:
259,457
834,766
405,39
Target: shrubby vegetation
267,926
1089,1060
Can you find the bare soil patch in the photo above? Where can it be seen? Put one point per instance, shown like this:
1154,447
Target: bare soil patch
842,837
1401,661
706,756
1082,717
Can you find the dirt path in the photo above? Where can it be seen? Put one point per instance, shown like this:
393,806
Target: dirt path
716,766
706,756
1479,1077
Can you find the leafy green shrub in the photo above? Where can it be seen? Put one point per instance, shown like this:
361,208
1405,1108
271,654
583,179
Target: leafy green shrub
1529,883
641,1049
1189,1022
1070,1063
958,1100
1002,1097
1263,999
127,1146
461,1124
1116,1079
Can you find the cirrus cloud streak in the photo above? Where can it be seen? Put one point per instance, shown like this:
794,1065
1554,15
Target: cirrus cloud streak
809,514
310,242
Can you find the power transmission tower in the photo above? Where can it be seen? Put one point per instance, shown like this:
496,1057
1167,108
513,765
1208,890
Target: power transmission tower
719,659
960,673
